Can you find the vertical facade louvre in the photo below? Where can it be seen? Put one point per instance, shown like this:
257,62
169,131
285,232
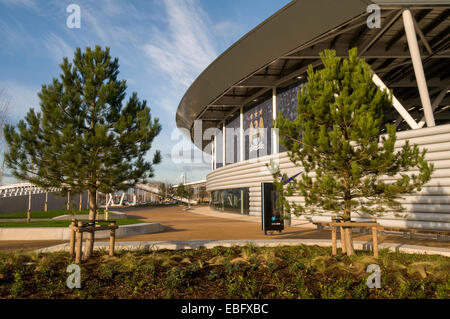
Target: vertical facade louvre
233,140
241,131
212,155
219,149
224,143
275,148
215,153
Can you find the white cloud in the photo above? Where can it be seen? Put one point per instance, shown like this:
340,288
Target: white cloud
14,37
57,47
162,47
93,23
227,29
21,3
167,102
186,48
21,98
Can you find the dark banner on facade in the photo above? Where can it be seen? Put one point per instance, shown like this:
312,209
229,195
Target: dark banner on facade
287,101
257,125
258,121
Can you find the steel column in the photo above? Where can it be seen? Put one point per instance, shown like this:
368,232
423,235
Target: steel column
397,105
410,31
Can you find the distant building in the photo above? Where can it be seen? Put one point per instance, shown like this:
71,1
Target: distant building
200,194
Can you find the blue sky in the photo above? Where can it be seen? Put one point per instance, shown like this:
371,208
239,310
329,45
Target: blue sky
162,46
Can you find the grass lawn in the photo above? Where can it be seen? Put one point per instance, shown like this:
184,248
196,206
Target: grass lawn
60,223
245,272
47,214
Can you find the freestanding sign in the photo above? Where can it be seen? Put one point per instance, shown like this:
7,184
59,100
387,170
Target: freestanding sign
272,217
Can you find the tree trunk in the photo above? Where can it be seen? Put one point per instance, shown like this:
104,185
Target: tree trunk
348,230
343,242
29,207
349,241
90,236
68,201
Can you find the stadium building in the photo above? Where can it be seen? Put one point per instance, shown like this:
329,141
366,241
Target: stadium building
229,109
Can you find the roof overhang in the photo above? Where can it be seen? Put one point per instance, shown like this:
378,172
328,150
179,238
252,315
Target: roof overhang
281,48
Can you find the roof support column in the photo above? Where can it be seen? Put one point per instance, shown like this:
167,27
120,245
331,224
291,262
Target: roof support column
396,103
410,31
241,134
435,103
274,129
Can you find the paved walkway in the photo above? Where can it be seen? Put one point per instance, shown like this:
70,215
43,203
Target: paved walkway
194,244
202,223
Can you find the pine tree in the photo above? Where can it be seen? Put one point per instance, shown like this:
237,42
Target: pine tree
188,192
180,191
202,194
185,191
84,137
165,191
337,139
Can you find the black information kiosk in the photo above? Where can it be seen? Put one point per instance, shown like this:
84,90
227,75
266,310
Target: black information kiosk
272,217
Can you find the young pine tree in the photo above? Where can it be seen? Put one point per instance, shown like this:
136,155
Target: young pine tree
188,192
85,136
180,191
337,140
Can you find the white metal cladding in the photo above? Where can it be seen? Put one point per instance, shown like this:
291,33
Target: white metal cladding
427,209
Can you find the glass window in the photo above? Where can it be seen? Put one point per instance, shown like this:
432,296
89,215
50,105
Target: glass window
234,200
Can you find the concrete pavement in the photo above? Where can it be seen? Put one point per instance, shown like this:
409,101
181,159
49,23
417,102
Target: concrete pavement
203,223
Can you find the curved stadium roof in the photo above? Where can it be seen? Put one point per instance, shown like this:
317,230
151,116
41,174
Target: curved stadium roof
281,48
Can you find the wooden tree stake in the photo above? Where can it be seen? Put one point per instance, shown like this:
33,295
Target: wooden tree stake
72,237
29,207
112,239
88,244
333,238
375,239
79,244
46,202
68,201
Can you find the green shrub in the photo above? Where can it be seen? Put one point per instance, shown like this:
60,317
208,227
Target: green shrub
18,286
